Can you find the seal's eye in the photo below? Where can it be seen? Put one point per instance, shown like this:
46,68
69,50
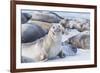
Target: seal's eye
53,27
59,26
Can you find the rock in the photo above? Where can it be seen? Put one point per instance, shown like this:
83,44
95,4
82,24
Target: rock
25,17
31,33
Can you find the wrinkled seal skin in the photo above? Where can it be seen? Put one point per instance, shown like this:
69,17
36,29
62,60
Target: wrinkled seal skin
25,17
79,24
81,41
45,16
30,32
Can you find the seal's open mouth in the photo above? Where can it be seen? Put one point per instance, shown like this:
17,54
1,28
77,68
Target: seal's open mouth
57,30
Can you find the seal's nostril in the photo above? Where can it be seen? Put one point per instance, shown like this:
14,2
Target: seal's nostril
58,30
74,49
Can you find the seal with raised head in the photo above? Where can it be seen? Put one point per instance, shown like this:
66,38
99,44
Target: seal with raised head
46,47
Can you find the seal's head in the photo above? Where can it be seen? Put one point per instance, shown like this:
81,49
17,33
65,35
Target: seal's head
56,31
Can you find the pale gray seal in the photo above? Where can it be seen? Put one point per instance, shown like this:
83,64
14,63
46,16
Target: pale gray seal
45,16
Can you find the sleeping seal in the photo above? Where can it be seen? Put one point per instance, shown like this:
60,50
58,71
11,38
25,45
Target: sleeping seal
45,16
25,17
81,24
81,40
46,47
30,33
44,25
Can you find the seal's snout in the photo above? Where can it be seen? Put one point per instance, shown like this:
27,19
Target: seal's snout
58,30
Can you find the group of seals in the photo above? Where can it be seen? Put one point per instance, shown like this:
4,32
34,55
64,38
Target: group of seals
79,24
81,40
40,34
37,24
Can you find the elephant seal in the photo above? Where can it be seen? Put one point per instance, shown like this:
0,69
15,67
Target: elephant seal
79,24
26,60
69,50
30,33
25,17
44,25
46,47
82,25
45,16
32,30
81,40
